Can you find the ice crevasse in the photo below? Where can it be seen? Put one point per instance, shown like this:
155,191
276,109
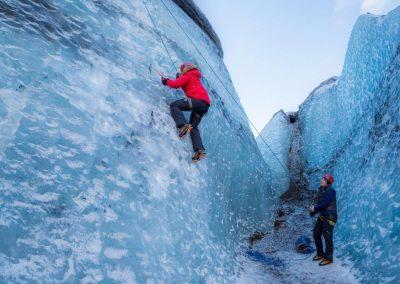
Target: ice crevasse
350,126
94,184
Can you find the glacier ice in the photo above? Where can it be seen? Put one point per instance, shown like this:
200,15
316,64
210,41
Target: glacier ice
95,185
199,18
341,107
274,142
350,126
367,171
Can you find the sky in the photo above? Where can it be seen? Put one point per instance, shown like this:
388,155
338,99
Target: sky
278,51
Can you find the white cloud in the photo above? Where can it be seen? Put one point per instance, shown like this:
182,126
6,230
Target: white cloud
378,6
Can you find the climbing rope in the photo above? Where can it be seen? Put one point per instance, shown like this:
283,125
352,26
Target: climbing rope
163,42
159,34
215,73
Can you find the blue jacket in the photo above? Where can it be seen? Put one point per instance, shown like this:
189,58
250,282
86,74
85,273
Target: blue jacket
326,203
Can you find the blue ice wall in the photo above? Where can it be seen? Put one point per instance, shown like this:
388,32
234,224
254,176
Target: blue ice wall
369,187
338,110
94,183
274,143
351,127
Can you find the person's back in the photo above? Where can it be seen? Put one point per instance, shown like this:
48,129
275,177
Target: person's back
197,102
190,82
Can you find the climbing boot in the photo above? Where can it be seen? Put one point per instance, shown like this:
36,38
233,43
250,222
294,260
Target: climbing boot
198,155
185,129
317,257
325,262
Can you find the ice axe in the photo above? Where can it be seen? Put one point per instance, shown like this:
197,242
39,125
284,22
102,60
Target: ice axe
151,67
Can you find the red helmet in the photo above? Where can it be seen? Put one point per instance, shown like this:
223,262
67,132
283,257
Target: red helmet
329,178
184,65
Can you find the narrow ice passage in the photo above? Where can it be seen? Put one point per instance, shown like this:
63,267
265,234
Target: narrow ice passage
286,265
95,185
349,126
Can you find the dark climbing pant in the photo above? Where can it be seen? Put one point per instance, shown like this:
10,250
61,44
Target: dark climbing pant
323,228
198,108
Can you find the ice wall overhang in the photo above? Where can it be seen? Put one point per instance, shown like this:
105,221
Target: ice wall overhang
194,12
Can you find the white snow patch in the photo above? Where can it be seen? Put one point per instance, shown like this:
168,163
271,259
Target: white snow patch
124,275
114,253
75,164
110,215
46,197
115,195
91,217
297,270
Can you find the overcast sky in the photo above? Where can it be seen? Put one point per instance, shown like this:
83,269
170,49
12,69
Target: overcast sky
278,51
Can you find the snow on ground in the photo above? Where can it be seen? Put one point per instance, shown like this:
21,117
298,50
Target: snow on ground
288,266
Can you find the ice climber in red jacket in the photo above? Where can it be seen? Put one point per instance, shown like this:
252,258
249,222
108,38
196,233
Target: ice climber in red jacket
197,102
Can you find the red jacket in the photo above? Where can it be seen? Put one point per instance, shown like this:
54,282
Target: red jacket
191,85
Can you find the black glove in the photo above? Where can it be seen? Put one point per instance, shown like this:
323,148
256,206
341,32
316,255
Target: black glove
178,75
164,81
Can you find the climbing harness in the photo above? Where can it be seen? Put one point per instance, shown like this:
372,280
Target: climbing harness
322,218
190,103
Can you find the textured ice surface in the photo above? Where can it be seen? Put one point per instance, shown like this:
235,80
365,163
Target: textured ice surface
351,127
337,109
274,142
94,184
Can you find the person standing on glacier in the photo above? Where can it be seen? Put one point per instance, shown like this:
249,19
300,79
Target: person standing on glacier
326,206
197,102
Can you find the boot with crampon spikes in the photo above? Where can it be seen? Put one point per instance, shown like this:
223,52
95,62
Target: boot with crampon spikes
317,257
184,130
325,262
198,155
